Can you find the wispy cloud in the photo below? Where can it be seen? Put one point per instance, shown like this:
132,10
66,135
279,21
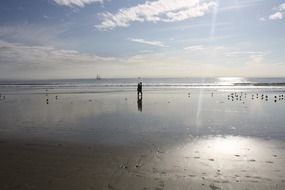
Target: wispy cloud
152,43
282,7
240,5
224,51
19,60
79,3
276,16
209,62
262,19
34,34
22,61
245,53
195,48
183,27
156,11
43,53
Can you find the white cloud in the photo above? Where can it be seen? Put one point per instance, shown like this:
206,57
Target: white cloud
18,61
35,34
262,19
23,61
233,53
239,5
195,48
211,62
155,11
282,7
79,3
276,16
43,53
223,52
153,43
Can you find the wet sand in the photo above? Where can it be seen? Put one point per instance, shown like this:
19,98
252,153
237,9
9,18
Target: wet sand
170,140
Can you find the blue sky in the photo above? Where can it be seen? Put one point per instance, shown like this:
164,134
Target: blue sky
156,38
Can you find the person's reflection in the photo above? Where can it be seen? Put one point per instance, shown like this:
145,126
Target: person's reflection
139,103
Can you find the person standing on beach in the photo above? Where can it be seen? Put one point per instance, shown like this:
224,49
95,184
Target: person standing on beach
139,89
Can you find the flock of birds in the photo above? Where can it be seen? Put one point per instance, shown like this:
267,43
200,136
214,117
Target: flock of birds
241,96
47,99
234,96
3,97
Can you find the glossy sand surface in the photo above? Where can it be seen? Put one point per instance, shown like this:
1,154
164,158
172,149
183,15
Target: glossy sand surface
170,139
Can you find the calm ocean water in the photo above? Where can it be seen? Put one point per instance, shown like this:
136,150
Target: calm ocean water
148,83
223,81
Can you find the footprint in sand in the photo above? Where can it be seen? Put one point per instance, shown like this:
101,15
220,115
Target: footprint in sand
222,181
124,166
160,185
110,186
214,187
154,170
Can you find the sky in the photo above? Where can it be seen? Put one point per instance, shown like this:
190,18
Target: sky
56,39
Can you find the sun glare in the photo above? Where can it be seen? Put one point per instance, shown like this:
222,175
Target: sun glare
230,80
226,145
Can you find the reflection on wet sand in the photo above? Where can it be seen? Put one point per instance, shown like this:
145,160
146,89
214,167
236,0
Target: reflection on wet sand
226,162
100,141
139,101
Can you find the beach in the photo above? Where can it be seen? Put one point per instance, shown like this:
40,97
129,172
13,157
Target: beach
142,95
107,138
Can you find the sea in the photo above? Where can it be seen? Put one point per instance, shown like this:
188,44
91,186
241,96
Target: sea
105,84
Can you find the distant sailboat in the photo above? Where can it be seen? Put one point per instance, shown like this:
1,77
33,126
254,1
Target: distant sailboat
98,77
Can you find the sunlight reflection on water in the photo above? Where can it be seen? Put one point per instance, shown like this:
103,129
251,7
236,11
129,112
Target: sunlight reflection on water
230,80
